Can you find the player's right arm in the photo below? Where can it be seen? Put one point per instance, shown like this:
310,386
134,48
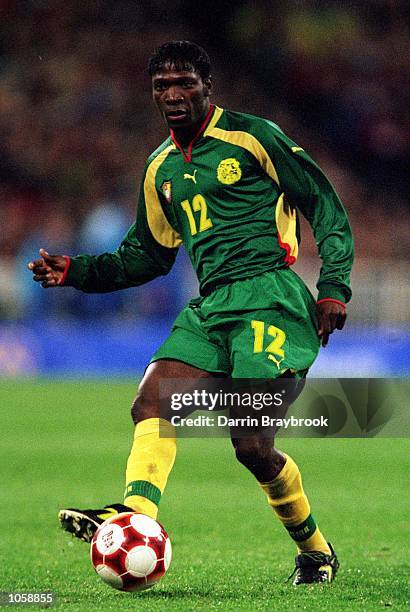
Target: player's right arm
139,259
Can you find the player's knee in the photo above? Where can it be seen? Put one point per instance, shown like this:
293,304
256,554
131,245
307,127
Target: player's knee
251,452
260,457
143,407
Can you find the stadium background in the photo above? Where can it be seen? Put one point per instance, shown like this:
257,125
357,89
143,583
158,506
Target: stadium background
77,122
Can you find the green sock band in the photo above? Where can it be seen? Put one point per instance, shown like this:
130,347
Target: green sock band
305,530
145,489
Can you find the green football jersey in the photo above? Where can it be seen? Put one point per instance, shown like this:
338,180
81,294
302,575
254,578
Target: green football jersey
232,199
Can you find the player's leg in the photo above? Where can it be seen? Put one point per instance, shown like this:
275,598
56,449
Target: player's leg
275,342
152,454
280,478
275,471
187,354
154,446
281,481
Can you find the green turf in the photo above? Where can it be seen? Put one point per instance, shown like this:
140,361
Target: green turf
67,443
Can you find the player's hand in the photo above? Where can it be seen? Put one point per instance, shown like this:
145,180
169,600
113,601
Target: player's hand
331,316
48,270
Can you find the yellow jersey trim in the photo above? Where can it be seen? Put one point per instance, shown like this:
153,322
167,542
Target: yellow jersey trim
215,118
160,228
246,141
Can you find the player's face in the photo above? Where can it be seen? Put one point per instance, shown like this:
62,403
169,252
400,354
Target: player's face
181,96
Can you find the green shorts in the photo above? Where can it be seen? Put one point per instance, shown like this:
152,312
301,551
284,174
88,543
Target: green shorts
259,327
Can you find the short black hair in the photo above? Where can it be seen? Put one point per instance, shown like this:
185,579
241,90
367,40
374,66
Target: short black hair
183,55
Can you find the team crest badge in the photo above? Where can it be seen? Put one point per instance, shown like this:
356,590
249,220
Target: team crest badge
229,171
167,191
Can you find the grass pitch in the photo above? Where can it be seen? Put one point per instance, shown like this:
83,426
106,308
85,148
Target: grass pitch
66,443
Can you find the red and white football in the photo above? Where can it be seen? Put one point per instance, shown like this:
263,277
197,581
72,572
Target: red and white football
131,551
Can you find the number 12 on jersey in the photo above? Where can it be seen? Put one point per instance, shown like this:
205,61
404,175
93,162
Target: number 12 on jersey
198,205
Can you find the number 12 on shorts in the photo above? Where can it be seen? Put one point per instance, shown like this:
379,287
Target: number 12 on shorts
274,348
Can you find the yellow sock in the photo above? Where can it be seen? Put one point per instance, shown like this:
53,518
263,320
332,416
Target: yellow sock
149,464
286,496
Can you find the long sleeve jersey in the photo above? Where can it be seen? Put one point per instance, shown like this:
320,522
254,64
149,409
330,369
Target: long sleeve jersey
232,197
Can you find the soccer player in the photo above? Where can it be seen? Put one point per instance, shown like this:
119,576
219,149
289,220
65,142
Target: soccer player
228,186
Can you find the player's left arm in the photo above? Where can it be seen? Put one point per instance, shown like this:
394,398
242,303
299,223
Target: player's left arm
307,188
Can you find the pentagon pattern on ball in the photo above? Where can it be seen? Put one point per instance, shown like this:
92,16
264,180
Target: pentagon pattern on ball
131,551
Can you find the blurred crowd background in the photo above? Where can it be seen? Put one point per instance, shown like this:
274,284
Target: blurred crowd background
77,123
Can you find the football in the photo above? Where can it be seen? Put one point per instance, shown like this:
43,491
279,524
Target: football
131,551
